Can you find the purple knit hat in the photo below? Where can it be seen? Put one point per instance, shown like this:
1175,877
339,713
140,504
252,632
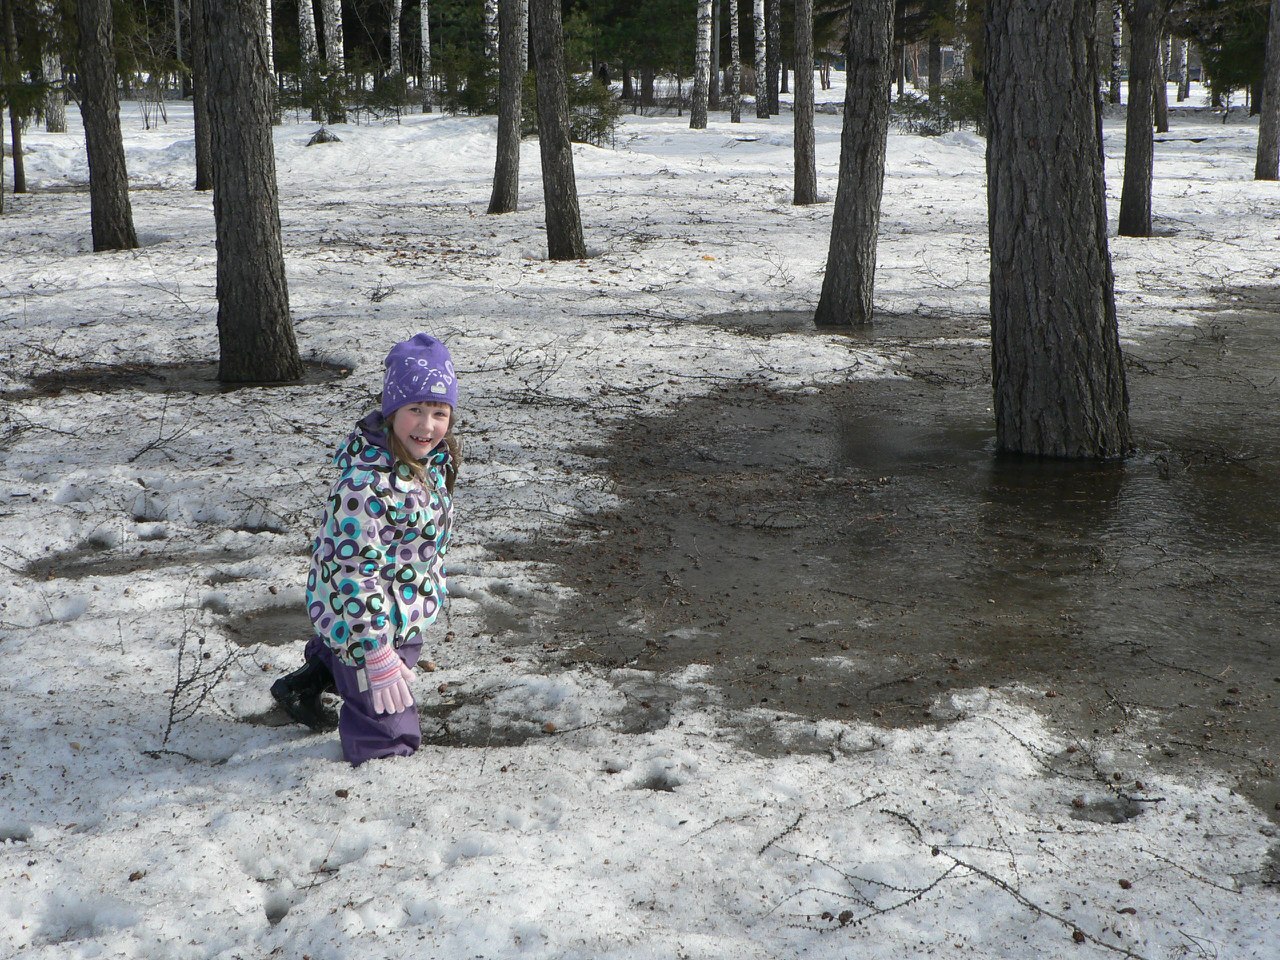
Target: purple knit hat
418,369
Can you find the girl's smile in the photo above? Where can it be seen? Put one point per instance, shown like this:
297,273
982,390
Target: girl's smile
421,426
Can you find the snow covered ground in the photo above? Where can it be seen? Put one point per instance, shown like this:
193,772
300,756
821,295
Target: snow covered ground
135,524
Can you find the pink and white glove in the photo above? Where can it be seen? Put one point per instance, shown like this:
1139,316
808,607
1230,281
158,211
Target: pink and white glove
388,680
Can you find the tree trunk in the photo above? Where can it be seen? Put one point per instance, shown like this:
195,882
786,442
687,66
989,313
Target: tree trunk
1177,64
762,60
646,86
702,68
1117,51
1161,102
393,35
309,55
335,60
960,43
560,189
110,211
199,97
935,71
900,67
273,90
1146,21
849,281
424,60
15,120
773,52
1184,86
1267,166
506,171
806,172
713,91
1058,376
255,334
735,66
490,28
628,88
55,105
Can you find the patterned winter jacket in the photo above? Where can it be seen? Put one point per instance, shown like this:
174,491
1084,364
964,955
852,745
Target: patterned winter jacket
377,562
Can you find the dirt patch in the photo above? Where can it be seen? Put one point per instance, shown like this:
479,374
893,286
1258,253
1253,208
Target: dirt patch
194,378
860,551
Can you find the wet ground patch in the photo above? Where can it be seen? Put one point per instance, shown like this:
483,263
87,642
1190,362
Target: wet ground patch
860,551
194,378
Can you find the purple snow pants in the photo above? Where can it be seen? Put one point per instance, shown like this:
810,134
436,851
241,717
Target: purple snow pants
367,735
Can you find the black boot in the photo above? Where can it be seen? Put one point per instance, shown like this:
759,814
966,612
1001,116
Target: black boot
299,693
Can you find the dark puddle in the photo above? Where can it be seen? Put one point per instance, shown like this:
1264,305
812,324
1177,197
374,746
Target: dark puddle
858,552
273,626
95,557
195,378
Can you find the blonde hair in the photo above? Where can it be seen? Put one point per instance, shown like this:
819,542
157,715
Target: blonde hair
401,455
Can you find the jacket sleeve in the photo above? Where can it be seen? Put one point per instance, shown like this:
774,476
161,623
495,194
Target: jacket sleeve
347,597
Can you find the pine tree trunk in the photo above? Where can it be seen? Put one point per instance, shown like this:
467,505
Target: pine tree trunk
849,281
199,97
1162,88
1145,19
702,69
110,211
2,112
1058,375
559,187
762,60
55,106
506,171
1267,165
335,60
960,43
735,66
424,60
806,172
15,120
773,52
255,333
1117,51
393,35
900,68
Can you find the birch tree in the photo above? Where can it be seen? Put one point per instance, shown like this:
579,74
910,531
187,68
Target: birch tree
1057,372
55,107
506,169
272,90
773,52
762,60
335,59
849,281
1146,23
255,333
110,212
491,30
1178,64
1117,51
559,187
1267,166
702,68
806,171
735,66
393,32
424,59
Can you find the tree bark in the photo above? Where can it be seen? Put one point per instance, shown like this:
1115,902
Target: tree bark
1146,21
1161,100
702,68
110,212
1184,85
1117,51
559,187
1057,372
255,333
773,54
393,35
273,90
506,171
15,120
1267,165
335,60
806,171
735,66
55,105
424,60
199,95
309,55
713,89
491,30
762,60
849,281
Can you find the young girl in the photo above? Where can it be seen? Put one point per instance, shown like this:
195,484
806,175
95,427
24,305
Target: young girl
377,577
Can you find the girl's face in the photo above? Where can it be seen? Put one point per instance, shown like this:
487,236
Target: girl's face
421,426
